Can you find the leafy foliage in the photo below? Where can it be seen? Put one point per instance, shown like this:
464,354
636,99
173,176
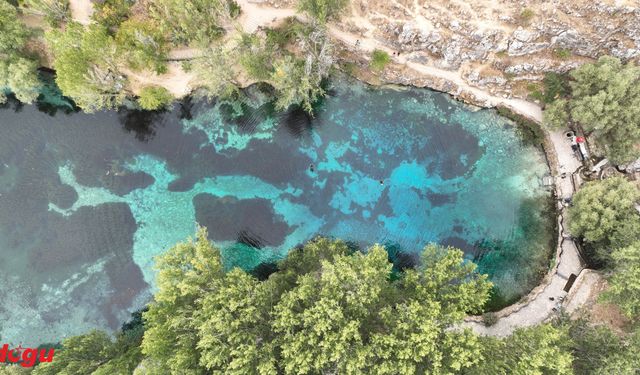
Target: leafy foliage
606,102
299,81
598,350
19,75
604,213
543,349
379,60
111,13
323,10
325,309
8,369
87,66
215,72
624,285
154,97
185,22
142,45
186,273
556,115
17,70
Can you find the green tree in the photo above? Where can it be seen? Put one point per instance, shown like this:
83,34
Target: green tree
323,10
293,85
186,273
142,45
604,213
96,354
17,70
154,97
86,62
256,55
624,284
13,34
347,317
379,60
326,309
606,102
111,13
537,350
7,369
79,355
215,72
19,75
299,81
556,114
600,351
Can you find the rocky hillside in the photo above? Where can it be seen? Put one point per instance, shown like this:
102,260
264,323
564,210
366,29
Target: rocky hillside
503,46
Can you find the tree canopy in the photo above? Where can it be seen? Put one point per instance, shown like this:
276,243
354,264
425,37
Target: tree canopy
624,285
17,69
605,100
325,309
86,62
604,213
543,349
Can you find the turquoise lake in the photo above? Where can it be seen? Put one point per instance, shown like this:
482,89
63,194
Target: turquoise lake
88,200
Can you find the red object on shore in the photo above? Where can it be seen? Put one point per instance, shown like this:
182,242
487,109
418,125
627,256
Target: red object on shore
580,139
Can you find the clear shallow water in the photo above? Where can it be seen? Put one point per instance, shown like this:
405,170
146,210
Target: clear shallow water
87,201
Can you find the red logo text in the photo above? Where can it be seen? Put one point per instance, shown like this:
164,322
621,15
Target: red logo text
27,357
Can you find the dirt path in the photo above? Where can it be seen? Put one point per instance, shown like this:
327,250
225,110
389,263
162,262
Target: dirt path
176,80
81,10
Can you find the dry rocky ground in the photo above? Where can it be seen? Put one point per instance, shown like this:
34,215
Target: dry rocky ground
502,46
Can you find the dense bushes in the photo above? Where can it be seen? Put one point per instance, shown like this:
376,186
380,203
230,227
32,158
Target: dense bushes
154,97
604,214
604,99
379,60
17,67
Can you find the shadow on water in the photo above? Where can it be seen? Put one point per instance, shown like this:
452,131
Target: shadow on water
51,100
245,117
527,252
400,259
12,103
264,270
141,123
246,237
296,121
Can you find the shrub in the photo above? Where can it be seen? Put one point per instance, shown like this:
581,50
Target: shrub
562,53
379,60
489,319
526,15
323,10
154,97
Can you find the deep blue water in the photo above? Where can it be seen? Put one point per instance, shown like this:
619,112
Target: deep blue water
87,200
